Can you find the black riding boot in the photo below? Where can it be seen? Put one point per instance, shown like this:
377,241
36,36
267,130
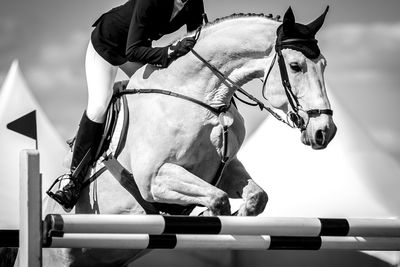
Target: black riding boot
87,139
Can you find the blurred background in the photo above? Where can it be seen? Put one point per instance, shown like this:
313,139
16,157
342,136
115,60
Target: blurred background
361,41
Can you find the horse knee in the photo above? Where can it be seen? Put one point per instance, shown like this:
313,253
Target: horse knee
219,204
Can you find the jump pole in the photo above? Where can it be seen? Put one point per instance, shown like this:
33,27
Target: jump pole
30,208
224,242
222,225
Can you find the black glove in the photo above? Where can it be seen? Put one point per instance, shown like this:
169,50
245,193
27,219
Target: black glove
181,48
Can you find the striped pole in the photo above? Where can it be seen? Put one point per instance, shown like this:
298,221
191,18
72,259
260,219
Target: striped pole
157,224
231,242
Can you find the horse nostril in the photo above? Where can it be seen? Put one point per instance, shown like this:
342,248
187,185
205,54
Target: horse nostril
320,137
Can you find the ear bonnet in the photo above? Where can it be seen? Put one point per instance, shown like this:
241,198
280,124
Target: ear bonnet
302,37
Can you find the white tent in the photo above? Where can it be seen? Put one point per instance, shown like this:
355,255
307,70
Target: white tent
353,177
16,100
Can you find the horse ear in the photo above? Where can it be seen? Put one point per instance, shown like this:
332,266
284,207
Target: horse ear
288,19
317,24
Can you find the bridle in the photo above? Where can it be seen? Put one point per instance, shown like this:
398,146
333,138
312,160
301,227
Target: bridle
293,118
293,115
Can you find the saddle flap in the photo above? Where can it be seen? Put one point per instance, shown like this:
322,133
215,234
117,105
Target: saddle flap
115,129
116,125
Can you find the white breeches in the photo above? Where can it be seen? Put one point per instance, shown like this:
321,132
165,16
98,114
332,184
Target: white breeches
100,77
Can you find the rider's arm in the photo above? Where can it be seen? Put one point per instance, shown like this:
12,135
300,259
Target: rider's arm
138,47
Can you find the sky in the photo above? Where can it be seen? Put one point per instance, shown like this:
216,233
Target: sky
360,39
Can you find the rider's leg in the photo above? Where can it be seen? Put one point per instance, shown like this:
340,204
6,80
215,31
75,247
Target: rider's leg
100,76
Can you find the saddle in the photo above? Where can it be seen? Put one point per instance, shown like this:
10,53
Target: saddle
115,132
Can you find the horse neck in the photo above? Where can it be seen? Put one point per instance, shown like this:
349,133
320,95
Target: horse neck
240,48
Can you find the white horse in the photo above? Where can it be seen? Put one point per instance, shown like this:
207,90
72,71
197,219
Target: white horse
174,146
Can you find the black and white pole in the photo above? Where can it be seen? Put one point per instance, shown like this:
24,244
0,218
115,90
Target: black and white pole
221,225
218,242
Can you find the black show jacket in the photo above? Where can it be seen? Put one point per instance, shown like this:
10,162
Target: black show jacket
125,33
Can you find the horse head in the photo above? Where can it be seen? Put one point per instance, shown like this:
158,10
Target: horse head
296,84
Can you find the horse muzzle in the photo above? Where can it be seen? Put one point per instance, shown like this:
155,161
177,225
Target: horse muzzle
319,137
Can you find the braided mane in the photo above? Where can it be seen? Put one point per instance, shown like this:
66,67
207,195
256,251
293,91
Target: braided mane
243,15
234,16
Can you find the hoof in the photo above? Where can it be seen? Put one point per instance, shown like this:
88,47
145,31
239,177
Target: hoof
220,204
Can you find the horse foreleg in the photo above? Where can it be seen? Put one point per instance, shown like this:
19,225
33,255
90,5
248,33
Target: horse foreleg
237,182
174,184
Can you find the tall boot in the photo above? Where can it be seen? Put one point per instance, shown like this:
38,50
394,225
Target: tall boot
87,139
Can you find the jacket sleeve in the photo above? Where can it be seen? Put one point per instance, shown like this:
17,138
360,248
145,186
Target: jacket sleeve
195,15
138,47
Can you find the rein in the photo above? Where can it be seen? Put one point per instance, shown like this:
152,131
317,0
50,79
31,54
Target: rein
231,84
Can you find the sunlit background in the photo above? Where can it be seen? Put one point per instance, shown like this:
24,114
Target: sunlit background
360,39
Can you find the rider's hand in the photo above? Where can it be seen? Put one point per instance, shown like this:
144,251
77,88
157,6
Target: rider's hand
181,48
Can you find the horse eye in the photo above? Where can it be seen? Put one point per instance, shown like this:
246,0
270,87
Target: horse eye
295,67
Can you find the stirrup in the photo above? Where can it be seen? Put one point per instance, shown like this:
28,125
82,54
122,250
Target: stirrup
54,196
59,179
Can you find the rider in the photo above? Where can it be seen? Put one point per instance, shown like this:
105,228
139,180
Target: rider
121,37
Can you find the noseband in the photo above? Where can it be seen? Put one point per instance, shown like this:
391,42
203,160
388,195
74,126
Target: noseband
294,116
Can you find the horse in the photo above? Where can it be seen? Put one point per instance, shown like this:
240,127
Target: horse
175,147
